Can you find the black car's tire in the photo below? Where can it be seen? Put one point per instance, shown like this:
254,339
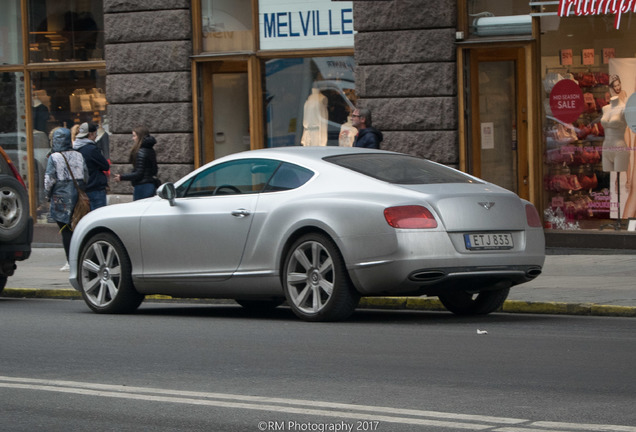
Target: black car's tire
3,282
316,282
260,305
14,208
465,303
105,276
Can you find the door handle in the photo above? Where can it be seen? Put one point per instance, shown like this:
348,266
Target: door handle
240,213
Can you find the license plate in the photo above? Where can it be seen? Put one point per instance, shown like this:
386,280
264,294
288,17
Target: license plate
488,241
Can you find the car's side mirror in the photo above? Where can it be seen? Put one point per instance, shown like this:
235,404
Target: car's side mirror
168,192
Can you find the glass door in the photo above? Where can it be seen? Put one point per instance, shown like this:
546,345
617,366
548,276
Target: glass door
498,140
230,113
224,109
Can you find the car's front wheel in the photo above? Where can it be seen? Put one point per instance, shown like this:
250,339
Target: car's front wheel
316,282
465,303
105,276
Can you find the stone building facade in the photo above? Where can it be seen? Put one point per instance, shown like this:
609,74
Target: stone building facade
406,74
148,45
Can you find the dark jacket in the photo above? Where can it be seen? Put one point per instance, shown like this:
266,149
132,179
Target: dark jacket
368,137
145,164
95,162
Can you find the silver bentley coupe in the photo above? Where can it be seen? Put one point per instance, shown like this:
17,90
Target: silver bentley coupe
317,227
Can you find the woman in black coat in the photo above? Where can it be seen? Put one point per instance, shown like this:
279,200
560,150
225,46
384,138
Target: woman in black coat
144,161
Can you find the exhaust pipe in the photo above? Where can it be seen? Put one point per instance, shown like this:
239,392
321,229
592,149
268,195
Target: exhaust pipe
533,272
427,276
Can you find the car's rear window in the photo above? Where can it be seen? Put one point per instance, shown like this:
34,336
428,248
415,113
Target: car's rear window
400,169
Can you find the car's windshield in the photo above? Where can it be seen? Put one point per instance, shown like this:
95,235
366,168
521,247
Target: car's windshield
400,169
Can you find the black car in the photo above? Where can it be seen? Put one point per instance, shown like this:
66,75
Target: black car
16,224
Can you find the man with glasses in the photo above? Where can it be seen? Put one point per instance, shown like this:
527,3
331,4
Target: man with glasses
368,136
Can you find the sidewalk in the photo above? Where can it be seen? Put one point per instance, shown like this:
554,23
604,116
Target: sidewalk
571,283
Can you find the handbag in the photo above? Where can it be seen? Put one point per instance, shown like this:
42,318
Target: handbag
83,205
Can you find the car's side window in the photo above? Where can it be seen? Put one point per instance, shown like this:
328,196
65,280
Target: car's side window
244,176
288,176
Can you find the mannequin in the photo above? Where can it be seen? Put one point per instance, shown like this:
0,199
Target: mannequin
315,117
347,134
615,150
103,140
40,114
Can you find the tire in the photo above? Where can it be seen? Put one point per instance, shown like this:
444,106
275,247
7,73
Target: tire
260,305
3,282
14,208
316,282
105,276
465,303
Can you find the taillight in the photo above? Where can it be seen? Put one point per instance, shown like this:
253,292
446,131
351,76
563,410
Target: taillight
412,216
16,174
532,216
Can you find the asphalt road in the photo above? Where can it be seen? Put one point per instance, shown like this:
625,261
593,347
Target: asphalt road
195,367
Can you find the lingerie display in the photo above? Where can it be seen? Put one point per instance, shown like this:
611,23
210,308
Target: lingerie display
575,181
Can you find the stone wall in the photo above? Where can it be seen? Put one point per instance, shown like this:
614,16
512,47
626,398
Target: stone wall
148,44
406,74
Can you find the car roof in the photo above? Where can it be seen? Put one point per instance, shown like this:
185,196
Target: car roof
315,153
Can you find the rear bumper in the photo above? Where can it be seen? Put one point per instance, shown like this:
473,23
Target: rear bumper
16,250
436,263
384,279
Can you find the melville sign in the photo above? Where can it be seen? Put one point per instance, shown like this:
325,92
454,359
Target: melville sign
597,7
303,24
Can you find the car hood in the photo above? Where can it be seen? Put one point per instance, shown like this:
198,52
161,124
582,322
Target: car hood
474,206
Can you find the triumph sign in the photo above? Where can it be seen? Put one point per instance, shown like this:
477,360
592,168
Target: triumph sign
597,7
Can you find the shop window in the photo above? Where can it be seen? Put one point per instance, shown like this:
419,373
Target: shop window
10,33
65,98
309,101
589,73
488,18
227,25
65,30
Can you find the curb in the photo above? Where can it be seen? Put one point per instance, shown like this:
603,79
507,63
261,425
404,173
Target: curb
396,303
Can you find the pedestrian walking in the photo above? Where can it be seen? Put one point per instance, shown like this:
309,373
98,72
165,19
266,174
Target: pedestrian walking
64,164
95,162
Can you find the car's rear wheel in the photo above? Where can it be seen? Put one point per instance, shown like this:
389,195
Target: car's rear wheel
14,210
316,282
3,282
465,303
105,276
